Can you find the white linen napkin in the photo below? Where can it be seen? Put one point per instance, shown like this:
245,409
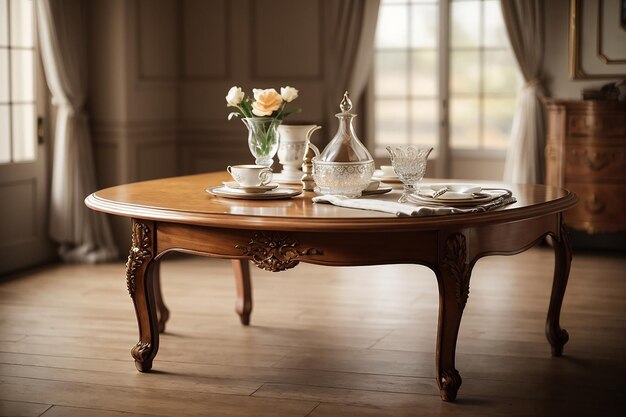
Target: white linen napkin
410,209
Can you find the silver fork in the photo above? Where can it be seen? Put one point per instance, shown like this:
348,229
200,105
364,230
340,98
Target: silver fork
440,192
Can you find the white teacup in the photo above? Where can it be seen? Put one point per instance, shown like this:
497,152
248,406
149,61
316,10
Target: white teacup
388,171
250,175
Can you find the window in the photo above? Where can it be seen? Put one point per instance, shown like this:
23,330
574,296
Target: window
17,81
443,61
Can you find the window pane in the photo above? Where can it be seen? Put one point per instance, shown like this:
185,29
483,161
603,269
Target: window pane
5,134
392,31
4,23
464,72
22,78
465,23
464,126
391,122
497,121
391,73
500,72
4,75
494,33
424,122
22,23
424,26
23,132
424,73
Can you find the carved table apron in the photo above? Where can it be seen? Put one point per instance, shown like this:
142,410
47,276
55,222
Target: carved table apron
182,218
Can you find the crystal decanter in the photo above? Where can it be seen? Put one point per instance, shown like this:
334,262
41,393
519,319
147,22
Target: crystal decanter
345,167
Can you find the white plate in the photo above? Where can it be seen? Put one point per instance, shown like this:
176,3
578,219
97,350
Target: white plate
234,185
275,194
455,187
389,180
425,196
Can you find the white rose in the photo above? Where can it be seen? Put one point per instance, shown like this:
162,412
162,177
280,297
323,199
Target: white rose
266,101
234,96
288,94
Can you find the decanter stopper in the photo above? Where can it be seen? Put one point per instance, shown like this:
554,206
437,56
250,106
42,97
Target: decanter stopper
346,103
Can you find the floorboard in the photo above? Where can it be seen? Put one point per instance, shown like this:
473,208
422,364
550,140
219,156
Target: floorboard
324,342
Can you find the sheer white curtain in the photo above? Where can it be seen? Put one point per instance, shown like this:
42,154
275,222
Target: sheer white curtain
84,235
525,155
350,51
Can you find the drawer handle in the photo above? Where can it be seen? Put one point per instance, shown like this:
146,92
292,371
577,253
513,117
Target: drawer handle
593,205
597,162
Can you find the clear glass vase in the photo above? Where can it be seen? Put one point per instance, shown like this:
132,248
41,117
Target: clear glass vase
263,138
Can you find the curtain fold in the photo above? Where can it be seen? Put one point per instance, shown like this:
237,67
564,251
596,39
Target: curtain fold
350,31
525,155
84,235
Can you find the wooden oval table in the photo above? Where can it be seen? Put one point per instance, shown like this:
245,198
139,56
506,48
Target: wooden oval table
176,214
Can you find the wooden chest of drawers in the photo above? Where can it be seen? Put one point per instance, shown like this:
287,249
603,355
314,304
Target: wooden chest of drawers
586,153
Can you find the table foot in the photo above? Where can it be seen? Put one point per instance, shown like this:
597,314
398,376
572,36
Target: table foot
163,313
450,382
142,351
563,259
141,286
243,304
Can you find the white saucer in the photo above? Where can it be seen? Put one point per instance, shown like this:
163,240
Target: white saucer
394,179
287,179
234,185
274,194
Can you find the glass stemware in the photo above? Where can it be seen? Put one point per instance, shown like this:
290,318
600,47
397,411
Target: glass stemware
409,164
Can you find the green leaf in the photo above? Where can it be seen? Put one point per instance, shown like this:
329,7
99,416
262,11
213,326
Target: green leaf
287,112
246,105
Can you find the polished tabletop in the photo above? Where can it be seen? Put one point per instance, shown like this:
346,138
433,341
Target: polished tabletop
185,200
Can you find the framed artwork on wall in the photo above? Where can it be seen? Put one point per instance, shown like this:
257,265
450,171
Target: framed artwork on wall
597,39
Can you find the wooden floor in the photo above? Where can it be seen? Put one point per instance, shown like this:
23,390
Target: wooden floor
323,342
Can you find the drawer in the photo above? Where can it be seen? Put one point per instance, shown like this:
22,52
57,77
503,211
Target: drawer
599,204
597,125
595,162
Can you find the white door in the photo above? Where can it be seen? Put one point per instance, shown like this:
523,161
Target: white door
23,173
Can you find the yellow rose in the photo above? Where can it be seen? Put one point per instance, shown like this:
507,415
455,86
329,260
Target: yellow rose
266,102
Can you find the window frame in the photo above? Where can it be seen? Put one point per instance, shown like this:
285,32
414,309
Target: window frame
443,153
11,102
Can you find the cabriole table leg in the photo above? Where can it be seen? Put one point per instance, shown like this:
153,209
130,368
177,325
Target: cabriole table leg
563,259
163,313
140,283
243,304
453,276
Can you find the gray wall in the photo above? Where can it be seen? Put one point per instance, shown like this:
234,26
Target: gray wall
556,66
159,71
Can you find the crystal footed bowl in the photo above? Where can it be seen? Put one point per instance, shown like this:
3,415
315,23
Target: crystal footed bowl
342,178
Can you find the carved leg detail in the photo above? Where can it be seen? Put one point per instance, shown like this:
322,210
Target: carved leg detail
163,313
243,305
140,282
454,277
563,259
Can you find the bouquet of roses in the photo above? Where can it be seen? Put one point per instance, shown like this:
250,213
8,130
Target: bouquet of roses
266,103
